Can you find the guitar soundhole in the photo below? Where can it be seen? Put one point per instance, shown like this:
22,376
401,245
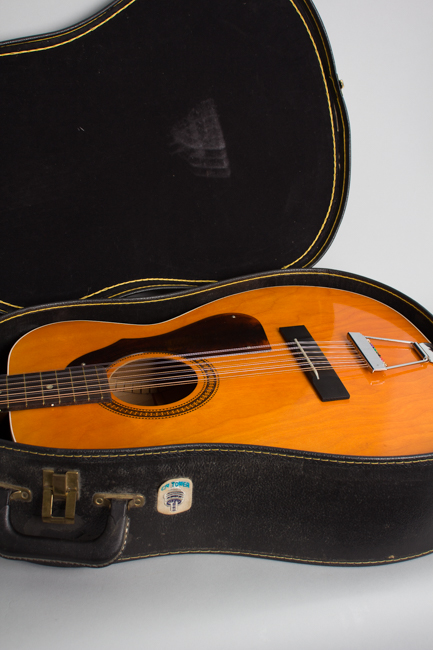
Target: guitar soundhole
155,381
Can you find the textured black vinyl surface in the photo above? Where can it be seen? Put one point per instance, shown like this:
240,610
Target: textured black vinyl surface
247,500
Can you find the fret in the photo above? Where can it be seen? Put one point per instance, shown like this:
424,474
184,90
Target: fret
80,385
17,392
14,392
58,387
25,390
79,388
74,385
85,381
50,390
4,393
65,386
42,388
104,386
89,384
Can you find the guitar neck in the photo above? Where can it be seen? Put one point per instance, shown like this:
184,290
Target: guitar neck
74,385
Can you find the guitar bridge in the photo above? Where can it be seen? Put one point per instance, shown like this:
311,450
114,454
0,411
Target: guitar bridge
375,361
320,374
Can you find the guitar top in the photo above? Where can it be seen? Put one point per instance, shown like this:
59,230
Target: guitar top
273,366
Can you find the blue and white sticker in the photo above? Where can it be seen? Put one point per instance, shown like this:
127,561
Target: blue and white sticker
175,496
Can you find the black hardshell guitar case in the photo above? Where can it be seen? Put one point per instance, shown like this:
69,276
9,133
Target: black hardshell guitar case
161,149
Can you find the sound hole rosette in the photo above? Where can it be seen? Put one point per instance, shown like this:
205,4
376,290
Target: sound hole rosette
187,385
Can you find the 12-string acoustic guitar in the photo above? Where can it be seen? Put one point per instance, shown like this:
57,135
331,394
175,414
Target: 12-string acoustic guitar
306,368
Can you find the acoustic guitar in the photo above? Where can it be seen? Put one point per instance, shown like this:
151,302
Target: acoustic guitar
305,368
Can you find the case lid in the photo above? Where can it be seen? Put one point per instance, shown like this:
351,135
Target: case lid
166,142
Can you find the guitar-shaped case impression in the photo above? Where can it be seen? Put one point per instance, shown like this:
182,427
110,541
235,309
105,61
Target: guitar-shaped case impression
176,379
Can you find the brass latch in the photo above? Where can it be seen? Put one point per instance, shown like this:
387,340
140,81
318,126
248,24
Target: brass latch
60,487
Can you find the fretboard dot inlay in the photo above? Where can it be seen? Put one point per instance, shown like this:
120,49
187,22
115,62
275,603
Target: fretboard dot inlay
74,385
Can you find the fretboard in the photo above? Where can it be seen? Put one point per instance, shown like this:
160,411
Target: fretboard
74,385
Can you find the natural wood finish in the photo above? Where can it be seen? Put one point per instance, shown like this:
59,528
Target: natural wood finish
388,414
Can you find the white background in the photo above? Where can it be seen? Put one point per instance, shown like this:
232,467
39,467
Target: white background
384,54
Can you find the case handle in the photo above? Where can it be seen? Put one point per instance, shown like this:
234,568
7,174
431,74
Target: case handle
96,553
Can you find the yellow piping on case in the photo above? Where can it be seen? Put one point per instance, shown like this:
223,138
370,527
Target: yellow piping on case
129,282
175,281
226,284
66,33
333,141
195,450
343,124
2,302
389,560
147,286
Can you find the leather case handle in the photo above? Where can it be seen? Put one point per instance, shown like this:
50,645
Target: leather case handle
96,553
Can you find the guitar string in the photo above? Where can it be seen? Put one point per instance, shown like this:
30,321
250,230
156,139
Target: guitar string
129,376
94,380
86,394
180,378
247,353
132,378
260,372
276,350
162,366
260,349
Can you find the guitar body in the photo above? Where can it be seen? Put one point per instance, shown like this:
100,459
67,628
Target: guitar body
387,413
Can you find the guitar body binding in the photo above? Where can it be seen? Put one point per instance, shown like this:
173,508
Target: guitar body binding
270,407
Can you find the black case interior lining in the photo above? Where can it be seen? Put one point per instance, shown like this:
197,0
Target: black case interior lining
169,141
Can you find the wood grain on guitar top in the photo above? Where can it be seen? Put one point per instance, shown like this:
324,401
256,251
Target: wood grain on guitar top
388,414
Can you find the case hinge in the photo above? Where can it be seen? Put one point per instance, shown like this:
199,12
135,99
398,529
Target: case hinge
104,499
18,493
62,487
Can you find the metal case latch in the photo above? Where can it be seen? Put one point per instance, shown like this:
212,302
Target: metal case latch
62,487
